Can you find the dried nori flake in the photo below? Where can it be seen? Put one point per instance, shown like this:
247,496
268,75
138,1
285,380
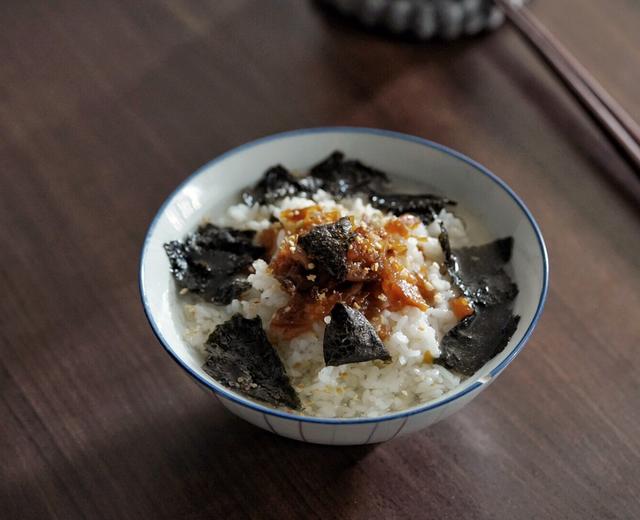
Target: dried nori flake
479,273
478,338
487,258
491,289
342,177
241,358
426,206
278,183
210,260
445,244
210,237
327,245
350,338
335,175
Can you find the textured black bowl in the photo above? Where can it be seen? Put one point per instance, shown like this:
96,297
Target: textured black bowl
424,19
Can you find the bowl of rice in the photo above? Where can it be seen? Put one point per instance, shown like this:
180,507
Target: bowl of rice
343,285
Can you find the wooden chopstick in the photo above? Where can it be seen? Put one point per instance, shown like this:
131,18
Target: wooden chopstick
625,119
619,126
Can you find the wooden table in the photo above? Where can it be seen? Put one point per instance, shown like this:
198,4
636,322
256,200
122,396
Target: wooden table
106,106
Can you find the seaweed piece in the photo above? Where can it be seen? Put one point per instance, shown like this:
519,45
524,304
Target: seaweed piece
478,271
342,177
335,175
426,206
210,237
350,338
278,183
327,245
214,280
478,338
487,258
210,260
445,244
241,358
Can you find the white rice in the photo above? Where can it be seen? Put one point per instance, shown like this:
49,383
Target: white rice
365,389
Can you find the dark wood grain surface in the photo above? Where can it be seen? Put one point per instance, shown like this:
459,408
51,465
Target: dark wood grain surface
106,106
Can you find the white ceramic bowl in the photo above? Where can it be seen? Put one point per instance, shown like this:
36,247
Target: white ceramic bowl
490,208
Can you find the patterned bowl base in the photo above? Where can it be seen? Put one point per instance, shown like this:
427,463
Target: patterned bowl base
425,19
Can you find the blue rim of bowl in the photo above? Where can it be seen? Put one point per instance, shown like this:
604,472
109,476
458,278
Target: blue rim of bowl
363,420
